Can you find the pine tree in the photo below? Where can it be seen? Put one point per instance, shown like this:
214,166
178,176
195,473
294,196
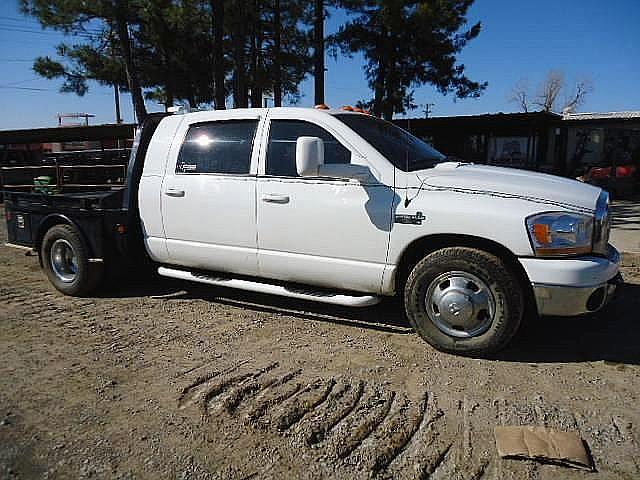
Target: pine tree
407,44
106,55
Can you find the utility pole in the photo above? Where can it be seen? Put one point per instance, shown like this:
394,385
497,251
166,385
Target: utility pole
427,109
277,61
318,51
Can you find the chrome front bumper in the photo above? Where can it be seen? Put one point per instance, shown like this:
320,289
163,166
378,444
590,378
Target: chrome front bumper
570,301
568,287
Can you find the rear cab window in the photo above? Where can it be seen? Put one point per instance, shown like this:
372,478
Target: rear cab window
218,147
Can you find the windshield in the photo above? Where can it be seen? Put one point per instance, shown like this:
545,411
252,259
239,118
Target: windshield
406,152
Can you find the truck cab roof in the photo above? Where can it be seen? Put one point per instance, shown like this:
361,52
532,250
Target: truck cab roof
301,112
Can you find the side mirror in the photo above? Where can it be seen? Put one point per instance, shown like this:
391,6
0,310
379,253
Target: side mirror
309,156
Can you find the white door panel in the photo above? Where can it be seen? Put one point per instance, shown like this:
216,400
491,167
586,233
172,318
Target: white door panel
328,233
208,195
212,223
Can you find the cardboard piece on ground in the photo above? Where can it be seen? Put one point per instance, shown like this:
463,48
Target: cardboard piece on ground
544,444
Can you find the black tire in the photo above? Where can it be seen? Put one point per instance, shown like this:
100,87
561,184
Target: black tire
506,293
87,275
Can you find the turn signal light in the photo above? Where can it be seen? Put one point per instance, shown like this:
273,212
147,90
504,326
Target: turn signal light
322,106
348,108
121,229
542,233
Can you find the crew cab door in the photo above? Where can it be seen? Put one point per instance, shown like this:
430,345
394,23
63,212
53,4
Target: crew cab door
208,193
321,231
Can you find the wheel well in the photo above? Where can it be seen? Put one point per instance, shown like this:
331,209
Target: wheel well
46,224
421,247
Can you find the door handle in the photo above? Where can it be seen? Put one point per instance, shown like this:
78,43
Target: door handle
174,192
275,198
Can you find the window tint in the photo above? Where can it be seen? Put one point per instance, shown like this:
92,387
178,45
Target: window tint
281,154
218,147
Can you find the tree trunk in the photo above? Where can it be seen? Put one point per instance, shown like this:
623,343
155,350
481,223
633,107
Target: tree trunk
256,45
378,92
168,97
318,51
261,75
277,68
390,89
387,104
217,11
132,74
116,95
381,78
238,38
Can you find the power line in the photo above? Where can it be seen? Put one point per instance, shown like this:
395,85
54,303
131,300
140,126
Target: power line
18,82
41,41
33,89
32,22
10,28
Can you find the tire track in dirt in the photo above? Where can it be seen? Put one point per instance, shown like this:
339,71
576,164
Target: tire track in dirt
357,425
230,400
427,450
365,418
209,384
281,390
340,403
291,410
392,435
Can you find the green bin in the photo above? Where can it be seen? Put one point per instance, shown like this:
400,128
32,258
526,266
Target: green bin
42,184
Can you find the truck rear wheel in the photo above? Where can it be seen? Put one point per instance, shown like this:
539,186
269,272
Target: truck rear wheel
463,300
65,259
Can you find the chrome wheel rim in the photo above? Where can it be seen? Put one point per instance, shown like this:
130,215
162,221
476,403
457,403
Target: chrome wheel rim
64,262
460,304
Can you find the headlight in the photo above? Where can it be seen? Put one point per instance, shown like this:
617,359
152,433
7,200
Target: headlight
560,233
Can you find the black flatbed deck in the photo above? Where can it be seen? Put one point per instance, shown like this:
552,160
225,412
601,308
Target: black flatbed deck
89,201
107,220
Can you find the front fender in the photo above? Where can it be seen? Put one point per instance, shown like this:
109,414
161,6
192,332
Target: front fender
496,219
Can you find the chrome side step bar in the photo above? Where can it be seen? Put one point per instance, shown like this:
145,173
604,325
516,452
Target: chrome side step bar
260,287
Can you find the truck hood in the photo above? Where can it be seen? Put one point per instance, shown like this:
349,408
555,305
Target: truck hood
507,182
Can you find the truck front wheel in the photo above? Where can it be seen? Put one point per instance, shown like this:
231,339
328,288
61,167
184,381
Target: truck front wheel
463,300
65,259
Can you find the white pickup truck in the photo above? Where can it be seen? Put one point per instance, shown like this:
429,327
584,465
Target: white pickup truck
338,207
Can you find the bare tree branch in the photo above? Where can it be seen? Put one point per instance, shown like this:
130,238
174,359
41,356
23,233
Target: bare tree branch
520,95
582,88
549,90
548,93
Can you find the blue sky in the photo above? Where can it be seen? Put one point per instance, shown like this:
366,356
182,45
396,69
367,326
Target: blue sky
520,39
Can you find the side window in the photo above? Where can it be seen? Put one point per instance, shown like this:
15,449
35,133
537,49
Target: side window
281,154
218,147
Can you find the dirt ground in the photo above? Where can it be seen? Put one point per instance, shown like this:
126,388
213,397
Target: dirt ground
163,379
